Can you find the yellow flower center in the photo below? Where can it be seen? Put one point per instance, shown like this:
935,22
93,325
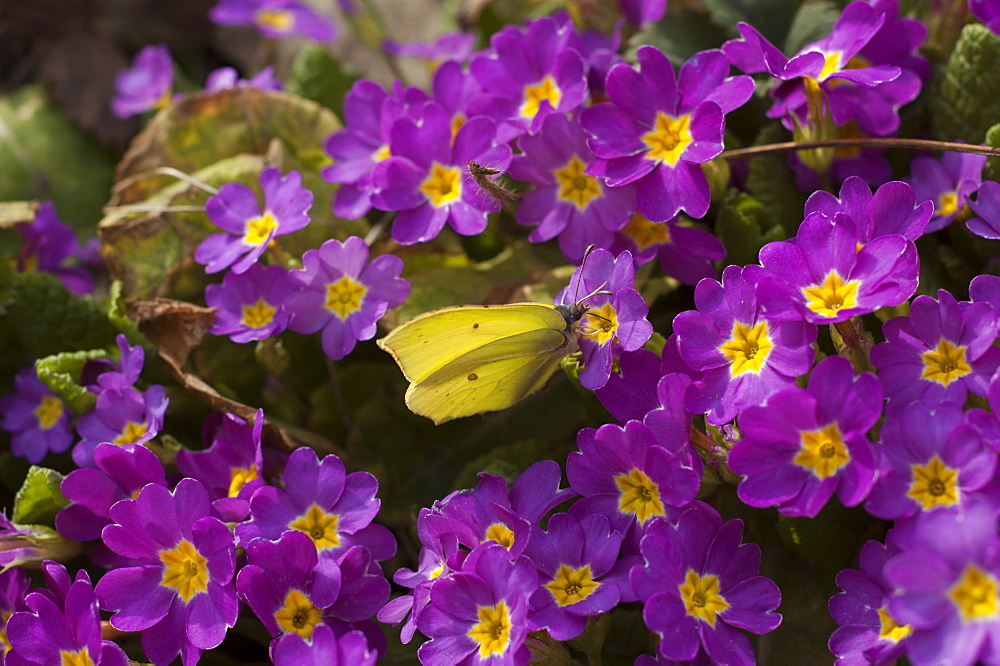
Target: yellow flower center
646,233
344,296
493,631
944,364
298,615
975,595
947,204
185,570
456,124
602,324
823,451
701,597
241,477
164,99
833,295
934,484
669,138
889,629
131,434
748,348
320,526
382,153
259,228
275,19
575,186
546,89
81,658
571,585
258,315
442,186
639,495
500,533
49,411
831,65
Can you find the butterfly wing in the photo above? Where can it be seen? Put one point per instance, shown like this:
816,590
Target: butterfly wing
431,341
491,377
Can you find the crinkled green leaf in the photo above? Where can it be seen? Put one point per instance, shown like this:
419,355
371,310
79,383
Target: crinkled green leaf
813,21
46,318
772,18
967,100
993,141
682,34
117,312
744,227
61,373
317,76
772,183
43,156
39,499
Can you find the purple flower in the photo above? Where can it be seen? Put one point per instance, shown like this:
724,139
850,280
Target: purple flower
275,19
251,305
867,633
343,294
13,588
947,183
37,420
626,475
566,202
479,615
932,459
455,46
146,85
47,243
642,12
631,392
334,508
122,416
988,12
575,559
801,446
823,278
657,130
945,583
529,74
225,78
248,230
699,586
28,545
103,374
61,628
987,207
892,209
745,354
426,177
615,320
685,253
232,465
180,595
323,649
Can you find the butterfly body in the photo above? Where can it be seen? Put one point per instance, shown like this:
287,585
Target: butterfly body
471,359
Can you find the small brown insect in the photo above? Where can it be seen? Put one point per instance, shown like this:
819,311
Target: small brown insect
492,186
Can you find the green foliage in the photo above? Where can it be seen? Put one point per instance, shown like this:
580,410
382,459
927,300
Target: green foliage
772,183
993,163
39,499
8,271
773,18
317,76
744,227
61,373
682,34
813,21
831,539
967,100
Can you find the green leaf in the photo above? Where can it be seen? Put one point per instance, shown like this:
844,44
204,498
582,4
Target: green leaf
772,183
317,76
680,35
8,273
46,318
773,18
118,315
43,156
967,101
812,22
831,539
39,499
61,373
993,141
744,227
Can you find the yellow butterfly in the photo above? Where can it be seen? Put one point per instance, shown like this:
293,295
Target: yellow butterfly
471,359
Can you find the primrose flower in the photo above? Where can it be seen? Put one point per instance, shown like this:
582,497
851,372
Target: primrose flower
180,594
248,230
987,207
988,12
626,475
275,19
867,633
699,586
231,467
631,392
251,305
343,294
948,183
47,243
616,317
745,354
824,278
642,12
479,615
61,628
892,209
146,85
122,416
657,130
225,78
932,459
453,46
566,202
686,253
103,374
37,420
945,579
801,446
426,177
323,649
334,508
